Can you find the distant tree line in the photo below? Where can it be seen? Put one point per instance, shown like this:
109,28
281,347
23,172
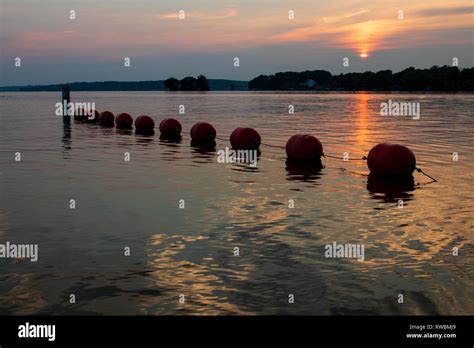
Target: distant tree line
445,78
100,86
187,84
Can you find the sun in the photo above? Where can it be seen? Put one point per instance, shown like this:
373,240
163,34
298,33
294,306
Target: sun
364,55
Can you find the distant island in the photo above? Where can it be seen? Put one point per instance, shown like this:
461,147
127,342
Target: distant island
435,79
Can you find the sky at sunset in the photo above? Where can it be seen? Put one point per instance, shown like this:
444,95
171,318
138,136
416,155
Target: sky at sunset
54,48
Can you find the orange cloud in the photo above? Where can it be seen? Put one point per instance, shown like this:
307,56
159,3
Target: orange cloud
367,30
201,15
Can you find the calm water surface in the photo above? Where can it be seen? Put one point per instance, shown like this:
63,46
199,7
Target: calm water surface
190,251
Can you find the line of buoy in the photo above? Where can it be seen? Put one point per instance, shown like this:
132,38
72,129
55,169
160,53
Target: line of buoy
304,147
245,139
170,129
106,119
383,160
124,121
144,125
391,160
93,118
203,135
203,132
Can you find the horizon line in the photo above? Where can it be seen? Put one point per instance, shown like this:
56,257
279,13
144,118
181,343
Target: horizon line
228,79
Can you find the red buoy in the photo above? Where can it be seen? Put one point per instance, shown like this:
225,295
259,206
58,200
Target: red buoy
304,147
391,160
80,115
245,139
203,132
124,121
170,127
106,119
144,124
92,116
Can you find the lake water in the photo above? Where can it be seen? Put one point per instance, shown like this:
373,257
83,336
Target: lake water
190,251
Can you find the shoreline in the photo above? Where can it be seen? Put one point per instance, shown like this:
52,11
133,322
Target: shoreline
258,91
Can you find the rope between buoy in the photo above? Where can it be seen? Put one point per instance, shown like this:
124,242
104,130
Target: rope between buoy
427,175
264,144
342,159
270,145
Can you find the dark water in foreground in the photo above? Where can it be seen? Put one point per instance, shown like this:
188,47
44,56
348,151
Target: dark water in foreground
190,251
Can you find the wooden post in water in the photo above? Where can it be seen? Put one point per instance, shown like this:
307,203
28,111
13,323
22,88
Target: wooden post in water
65,99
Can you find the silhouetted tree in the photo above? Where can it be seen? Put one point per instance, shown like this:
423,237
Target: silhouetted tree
467,79
445,78
187,84
202,84
259,82
384,79
172,84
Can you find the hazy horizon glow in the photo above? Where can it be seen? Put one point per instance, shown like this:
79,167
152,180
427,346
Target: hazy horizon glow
53,48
